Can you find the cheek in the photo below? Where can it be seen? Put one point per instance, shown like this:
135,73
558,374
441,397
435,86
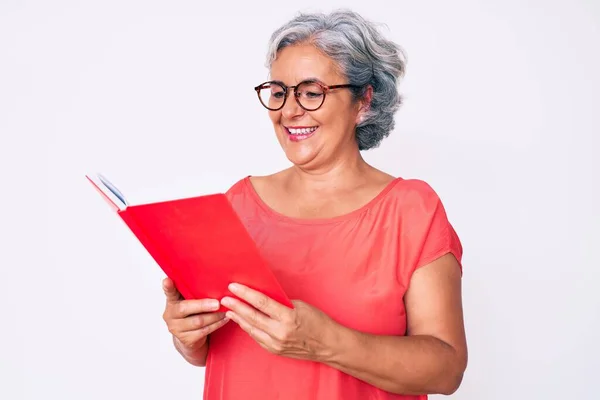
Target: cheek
340,113
334,119
275,116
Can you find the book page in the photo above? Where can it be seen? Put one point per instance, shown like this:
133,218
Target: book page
110,191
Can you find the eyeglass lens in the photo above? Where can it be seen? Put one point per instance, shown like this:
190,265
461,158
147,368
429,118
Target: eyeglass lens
310,95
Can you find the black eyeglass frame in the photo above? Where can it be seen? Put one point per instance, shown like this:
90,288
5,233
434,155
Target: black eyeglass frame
286,91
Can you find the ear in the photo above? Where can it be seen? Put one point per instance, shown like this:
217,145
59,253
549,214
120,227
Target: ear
365,104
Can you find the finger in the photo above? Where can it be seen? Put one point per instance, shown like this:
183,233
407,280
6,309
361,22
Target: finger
249,314
260,336
196,322
185,308
260,301
171,291
198,334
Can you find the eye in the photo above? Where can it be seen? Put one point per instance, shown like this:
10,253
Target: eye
313,95
310,91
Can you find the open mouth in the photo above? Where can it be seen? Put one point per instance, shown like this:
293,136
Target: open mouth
300,133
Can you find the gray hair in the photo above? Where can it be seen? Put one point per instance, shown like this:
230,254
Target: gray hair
364,56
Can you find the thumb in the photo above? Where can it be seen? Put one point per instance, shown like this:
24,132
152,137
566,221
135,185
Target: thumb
171,291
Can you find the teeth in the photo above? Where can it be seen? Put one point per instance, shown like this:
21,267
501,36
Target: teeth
302,131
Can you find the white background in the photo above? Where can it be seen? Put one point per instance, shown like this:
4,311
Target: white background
501,117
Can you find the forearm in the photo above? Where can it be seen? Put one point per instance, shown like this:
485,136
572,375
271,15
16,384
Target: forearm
399,364
195,357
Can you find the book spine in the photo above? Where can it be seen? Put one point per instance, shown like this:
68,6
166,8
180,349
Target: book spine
155,252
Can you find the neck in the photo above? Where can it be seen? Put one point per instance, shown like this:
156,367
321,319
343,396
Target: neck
342,173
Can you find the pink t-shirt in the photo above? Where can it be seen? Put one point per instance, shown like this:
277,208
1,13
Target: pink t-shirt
356,268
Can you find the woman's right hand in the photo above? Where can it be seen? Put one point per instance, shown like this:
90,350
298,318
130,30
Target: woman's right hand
190,321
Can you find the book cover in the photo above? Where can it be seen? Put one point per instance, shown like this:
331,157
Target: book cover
199,242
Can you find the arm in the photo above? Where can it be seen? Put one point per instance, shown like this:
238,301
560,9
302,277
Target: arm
190,323
431,358
196,357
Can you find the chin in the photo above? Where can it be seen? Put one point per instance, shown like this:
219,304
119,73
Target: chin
300,147
299,155
301,159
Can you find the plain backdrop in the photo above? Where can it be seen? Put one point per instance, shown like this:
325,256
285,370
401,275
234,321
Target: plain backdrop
501,117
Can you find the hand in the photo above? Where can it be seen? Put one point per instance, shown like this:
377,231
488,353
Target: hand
303,332
190,321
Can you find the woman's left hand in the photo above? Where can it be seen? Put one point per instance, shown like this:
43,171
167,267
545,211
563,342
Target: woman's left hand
303,332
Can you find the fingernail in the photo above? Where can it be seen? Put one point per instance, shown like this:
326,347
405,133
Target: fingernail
233,287
214,304
226,301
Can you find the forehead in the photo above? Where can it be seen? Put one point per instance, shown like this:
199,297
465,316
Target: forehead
296,63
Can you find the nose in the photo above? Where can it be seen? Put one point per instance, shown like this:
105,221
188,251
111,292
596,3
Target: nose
291,109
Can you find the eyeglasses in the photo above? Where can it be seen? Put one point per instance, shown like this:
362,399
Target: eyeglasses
309,94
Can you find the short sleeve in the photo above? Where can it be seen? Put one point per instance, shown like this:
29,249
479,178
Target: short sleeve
427,231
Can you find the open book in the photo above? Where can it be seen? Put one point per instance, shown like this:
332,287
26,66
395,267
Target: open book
199,242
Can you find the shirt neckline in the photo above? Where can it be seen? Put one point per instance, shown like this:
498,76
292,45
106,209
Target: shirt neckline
317,221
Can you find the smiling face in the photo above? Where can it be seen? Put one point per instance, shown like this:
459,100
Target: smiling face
314,138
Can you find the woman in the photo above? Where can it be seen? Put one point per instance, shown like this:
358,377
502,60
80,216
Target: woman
371,259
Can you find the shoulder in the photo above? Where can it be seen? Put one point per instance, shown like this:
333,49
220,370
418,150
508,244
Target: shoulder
412,193
247,191
416,206
253,183
241,194
241,197
425,225
237,187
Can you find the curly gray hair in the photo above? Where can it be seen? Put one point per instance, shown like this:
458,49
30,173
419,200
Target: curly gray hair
363,55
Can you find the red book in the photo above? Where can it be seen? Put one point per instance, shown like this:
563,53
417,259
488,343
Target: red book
199,242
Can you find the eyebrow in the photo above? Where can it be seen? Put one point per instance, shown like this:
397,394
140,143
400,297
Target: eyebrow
303,80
